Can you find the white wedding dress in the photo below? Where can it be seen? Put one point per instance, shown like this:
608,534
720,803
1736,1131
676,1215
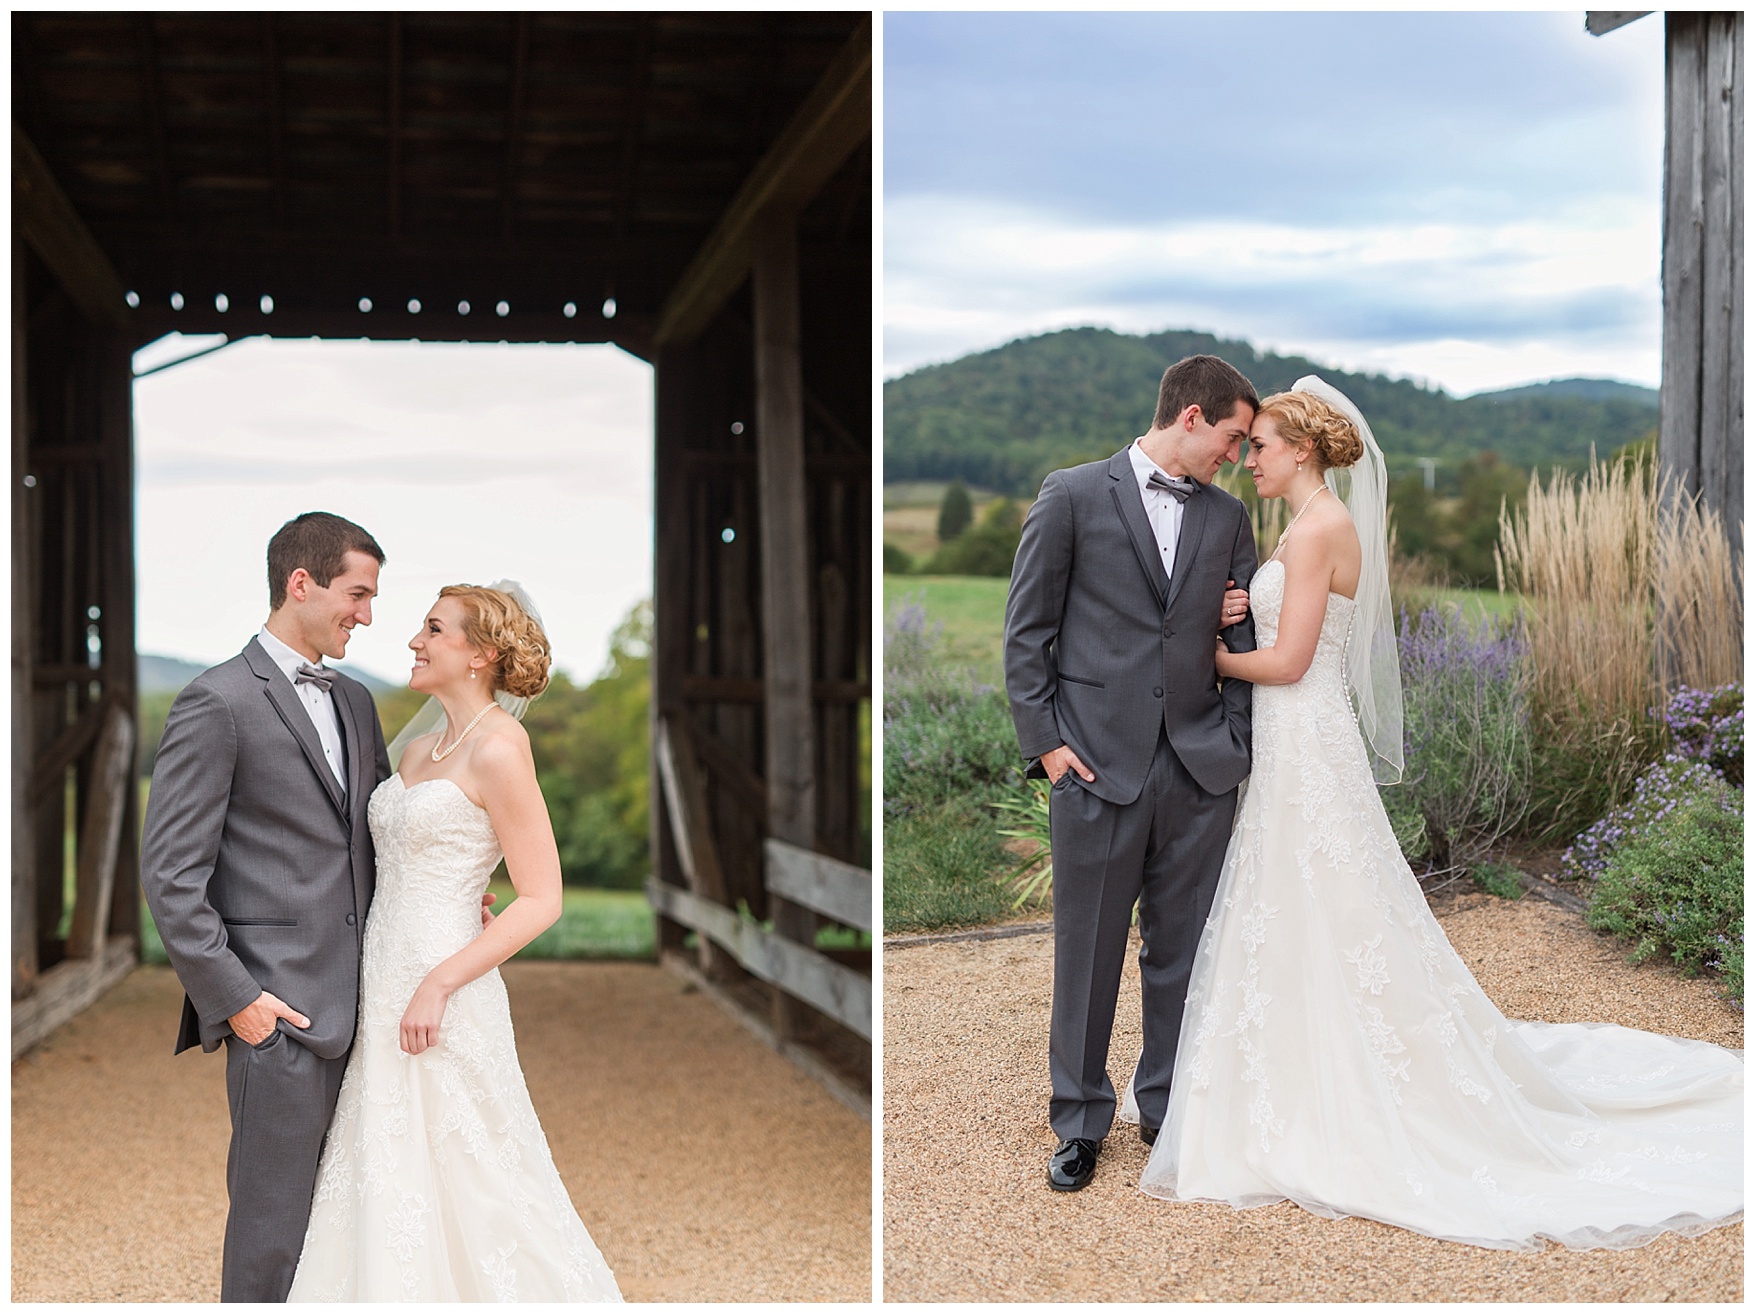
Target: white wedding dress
1337,1053
436,1181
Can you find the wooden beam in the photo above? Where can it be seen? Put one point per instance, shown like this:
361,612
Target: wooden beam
634,124
687,802
748,689
514,121
834,119
1700,434
152,98
786,564
393,183
724,764
795,969
47,772
68,989
112,776
835,889
48,221
271,95
24,887
1599,21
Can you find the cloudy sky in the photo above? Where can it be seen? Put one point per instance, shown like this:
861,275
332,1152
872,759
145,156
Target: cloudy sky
1468,198
467,463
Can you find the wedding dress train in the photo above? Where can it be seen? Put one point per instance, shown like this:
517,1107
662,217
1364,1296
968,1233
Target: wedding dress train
436,1180
1336,1052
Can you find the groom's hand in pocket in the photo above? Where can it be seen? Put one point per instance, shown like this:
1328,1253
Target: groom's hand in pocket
1058,761
255,1024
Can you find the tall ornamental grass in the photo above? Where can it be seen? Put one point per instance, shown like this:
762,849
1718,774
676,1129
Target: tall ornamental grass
1465,698
1630,588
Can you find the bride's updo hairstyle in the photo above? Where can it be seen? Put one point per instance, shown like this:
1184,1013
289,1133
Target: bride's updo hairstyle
493,621
1311,423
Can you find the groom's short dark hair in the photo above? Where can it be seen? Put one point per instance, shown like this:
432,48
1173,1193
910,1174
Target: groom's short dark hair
319,542
1214,385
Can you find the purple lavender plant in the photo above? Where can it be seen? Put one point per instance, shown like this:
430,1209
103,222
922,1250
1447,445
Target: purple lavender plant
1466,715
1706,725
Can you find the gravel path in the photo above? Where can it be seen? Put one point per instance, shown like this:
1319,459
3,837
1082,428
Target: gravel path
663,1113
968,1216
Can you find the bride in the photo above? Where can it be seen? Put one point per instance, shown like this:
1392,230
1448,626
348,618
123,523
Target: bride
1335,1051
436,1181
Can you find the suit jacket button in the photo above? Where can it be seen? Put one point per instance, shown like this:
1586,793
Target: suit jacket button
1157,693
350,919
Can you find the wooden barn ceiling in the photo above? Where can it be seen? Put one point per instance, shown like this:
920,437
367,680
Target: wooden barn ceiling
316,159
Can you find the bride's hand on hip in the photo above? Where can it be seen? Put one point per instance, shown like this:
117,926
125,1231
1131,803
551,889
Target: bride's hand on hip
420,1023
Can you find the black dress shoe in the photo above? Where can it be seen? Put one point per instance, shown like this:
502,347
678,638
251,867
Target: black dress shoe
1073,1164
1148,1134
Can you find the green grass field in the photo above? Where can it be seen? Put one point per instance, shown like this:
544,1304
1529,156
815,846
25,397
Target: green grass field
593,924
971,608
972,611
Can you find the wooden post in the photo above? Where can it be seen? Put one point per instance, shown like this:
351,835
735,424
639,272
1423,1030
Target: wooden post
786,567
120,660
24,886
1700,435
674,378
100,834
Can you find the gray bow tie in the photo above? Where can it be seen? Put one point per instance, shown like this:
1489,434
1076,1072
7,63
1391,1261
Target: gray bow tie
1181,487
321,676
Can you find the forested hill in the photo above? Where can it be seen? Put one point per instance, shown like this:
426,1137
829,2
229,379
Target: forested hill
1002,419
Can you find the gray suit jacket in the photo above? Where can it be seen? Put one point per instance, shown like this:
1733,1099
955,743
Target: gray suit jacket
1101,650
258,873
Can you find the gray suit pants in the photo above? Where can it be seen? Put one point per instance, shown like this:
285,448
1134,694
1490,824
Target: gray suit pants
1164,849
282,1097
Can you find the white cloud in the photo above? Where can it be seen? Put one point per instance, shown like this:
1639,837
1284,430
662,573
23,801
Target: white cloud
467,463
1468,305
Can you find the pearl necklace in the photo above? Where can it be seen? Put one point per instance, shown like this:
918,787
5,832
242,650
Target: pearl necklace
440,757
1320,488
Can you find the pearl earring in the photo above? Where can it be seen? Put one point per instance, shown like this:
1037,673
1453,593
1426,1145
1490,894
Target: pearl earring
472,675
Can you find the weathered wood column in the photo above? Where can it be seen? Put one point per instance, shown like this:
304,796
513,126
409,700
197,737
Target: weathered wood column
1700,434
786,569
24,890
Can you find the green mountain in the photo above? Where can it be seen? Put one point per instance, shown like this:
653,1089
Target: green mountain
1593,389
1002,419
159,675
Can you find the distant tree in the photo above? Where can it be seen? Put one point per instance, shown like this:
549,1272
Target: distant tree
896,561
987,549
954,512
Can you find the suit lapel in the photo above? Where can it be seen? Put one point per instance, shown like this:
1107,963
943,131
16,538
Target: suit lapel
1194,524
286,702
1126,490
353,733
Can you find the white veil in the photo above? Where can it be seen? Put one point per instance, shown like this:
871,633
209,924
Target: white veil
431,716
1373,671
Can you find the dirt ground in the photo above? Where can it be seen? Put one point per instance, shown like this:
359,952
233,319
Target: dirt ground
705,1166
968,1216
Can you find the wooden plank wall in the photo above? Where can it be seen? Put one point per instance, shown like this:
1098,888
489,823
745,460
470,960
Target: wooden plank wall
1700,435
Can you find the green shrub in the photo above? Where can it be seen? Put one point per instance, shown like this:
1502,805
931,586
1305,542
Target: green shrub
987,549
1675,884
955,511
896,561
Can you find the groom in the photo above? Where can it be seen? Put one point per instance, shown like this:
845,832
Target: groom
257,864
1117,592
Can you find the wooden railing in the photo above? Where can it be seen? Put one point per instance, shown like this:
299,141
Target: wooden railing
836,890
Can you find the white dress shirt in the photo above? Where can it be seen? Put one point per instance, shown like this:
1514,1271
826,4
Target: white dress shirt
319,703
1163,512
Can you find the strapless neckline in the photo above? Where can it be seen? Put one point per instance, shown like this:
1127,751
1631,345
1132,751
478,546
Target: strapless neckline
436,780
